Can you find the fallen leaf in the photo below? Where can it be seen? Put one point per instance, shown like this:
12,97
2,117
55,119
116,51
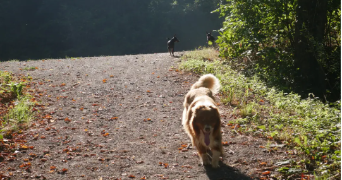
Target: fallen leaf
67,120
266,173
184,145
64,170
24,147
263,163
36,137
32,155
225,143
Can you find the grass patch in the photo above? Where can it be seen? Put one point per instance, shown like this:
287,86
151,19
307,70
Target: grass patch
203,54
30,68
16,105
308,125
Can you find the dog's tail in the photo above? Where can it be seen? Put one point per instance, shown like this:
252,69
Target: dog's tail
209,81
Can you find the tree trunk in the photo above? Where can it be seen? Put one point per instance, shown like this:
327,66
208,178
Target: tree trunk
309,35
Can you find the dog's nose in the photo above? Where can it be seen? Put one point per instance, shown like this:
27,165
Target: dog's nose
207,129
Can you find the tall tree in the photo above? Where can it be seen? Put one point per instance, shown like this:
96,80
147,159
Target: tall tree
309,36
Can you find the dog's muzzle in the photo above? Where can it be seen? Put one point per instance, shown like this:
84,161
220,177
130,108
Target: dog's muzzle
207,137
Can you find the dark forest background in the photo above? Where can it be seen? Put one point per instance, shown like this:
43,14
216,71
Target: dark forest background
294,45
62,28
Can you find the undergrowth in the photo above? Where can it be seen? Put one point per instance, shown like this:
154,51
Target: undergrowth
308,125
15,104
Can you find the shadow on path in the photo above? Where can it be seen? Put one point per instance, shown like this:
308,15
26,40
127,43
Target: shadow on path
225,172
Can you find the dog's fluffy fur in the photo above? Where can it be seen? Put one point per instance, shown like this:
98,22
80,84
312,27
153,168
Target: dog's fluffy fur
201,119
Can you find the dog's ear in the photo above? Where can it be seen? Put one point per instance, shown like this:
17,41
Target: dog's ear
217,119
192,119
191,112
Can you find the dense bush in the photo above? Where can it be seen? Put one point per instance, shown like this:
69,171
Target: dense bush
294,45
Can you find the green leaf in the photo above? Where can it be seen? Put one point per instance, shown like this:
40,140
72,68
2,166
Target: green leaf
263,127
283,169
274,133
297,140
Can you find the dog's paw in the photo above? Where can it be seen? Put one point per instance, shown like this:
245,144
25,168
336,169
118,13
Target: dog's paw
215,159
215,164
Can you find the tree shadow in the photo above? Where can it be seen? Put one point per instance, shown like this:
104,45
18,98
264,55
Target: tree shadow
225,172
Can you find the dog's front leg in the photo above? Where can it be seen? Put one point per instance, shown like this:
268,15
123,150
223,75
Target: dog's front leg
217,152
202,151
215,159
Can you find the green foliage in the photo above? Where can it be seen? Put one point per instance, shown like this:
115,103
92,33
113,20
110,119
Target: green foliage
261,35
29,68
306,124
16,88
21,113
18,104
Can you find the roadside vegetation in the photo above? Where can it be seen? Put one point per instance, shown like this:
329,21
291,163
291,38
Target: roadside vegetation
307,126
16,105
294,45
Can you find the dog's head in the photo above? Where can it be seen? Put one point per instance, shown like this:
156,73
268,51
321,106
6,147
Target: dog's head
210,37
206,120
175,39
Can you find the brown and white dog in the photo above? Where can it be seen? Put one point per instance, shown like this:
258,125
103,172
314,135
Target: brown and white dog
201,119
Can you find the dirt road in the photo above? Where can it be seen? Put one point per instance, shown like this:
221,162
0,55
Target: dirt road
119,117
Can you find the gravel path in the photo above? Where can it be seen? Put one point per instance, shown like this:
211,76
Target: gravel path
119,117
